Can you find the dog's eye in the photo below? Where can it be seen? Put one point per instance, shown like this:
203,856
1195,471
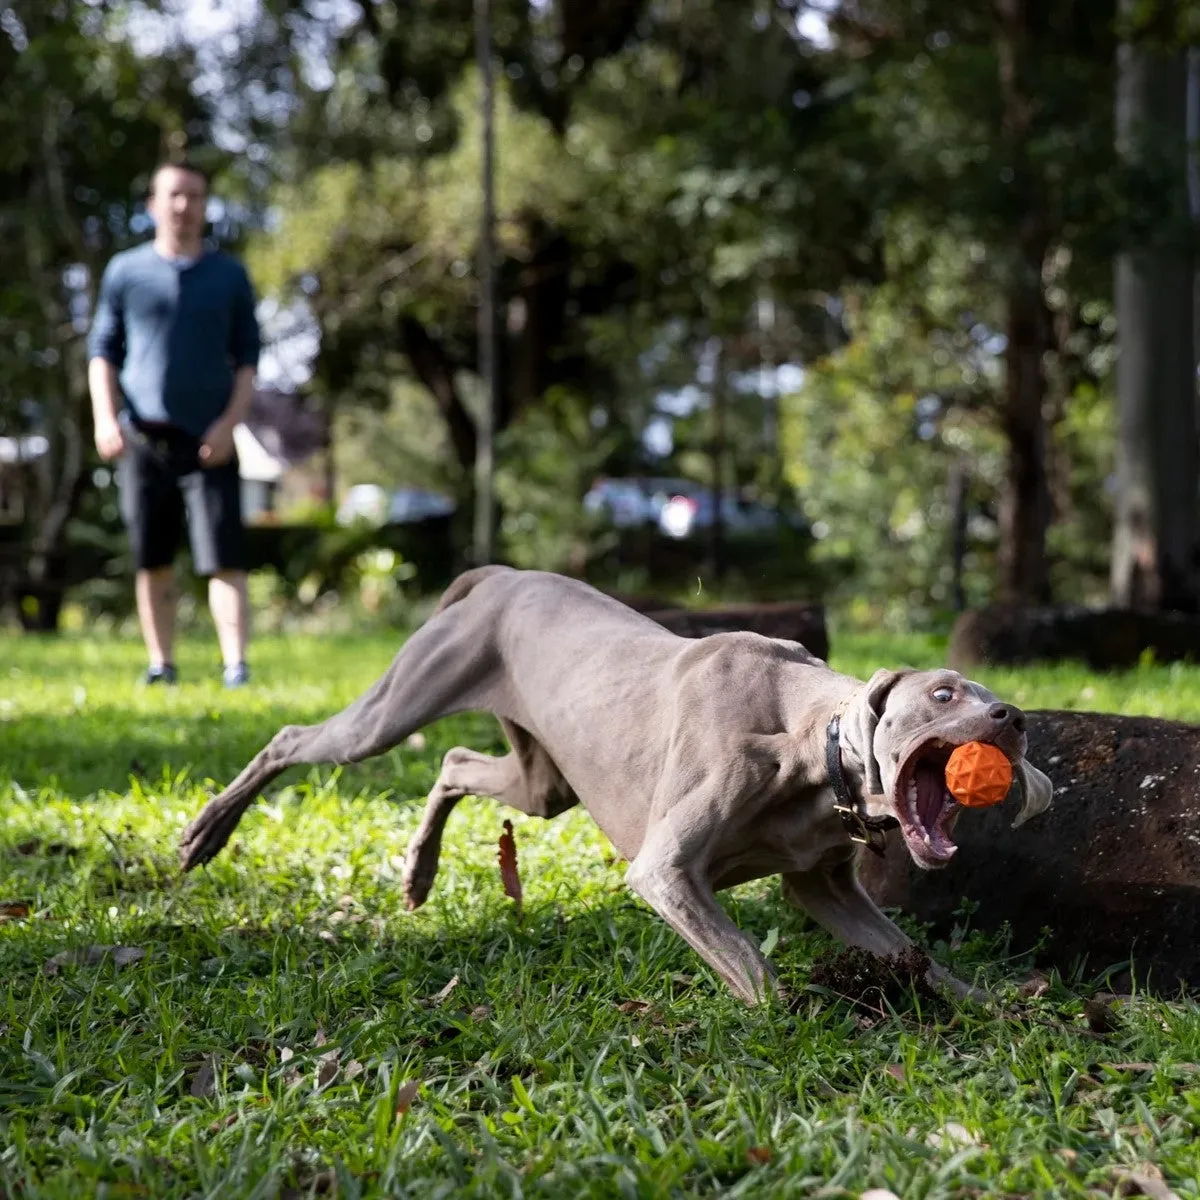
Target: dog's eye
943,695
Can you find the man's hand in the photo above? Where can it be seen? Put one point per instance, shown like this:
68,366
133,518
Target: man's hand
110,439
217,446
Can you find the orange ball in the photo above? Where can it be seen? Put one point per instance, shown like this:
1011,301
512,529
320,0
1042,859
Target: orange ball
978,774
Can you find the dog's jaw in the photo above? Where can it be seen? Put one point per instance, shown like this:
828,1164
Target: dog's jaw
924,806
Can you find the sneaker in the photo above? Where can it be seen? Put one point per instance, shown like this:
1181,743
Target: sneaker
161,674
236,676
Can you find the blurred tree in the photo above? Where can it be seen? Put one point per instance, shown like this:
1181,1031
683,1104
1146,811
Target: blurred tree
1156,543
990,110
82,123
656,173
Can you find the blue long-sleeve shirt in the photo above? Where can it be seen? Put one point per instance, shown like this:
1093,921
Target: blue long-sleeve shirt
176,333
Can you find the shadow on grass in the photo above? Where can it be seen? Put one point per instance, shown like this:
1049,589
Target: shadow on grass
104,750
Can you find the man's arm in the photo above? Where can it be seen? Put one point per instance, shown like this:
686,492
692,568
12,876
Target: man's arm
106,352
217,446
106,403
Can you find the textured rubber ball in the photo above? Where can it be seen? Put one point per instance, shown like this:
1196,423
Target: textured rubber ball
978,774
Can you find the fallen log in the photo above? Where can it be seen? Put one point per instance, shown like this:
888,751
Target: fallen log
1108,877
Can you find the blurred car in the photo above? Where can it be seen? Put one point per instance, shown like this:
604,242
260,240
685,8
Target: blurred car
637,500
681,516
413,504
374,504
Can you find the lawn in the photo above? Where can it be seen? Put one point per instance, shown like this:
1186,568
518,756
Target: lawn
280,1026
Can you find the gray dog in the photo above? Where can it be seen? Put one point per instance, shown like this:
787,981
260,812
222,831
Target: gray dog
706,762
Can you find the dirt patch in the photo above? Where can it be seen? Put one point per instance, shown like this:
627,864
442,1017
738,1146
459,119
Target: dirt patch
874,983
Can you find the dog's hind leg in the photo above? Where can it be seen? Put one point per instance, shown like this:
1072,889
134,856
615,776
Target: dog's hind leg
447,666
525,779
464,773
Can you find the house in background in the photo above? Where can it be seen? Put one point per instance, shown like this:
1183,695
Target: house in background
276,448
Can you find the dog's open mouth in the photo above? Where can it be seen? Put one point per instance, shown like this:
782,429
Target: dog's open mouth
924,806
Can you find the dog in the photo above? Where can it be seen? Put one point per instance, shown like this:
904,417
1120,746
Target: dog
707,762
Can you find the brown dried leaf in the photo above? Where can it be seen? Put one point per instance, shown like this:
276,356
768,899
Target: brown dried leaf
89,956
758,1156
508,865
1038,984
633,1006
327,1067
439,996
353,1070
286,1054
405,1094
878,1194
1147,1180
1099,1014
14,910
204,1082
319,1038
222,1123
951,1136
481,1012
896,1071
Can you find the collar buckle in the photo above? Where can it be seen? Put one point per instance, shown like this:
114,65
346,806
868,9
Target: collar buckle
866,831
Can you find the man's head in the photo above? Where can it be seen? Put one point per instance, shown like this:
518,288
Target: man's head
177,201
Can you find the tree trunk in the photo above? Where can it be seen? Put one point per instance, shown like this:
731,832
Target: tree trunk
716,533
1025,506
1156,541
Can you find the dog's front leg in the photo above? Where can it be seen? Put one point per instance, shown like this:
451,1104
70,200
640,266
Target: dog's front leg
835,899
686,902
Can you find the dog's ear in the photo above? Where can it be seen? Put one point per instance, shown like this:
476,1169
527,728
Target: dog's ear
1036,792
862,718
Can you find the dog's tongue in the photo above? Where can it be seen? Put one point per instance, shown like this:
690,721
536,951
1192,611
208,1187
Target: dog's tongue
931,802
931,794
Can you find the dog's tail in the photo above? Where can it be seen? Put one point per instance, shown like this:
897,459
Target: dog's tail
465,584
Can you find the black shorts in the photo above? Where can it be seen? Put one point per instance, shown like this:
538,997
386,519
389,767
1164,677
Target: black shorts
160,480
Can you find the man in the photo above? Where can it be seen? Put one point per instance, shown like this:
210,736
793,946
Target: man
172,355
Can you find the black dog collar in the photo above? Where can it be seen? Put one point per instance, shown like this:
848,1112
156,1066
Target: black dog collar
860,827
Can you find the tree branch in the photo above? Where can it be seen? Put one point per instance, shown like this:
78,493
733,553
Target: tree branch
434,368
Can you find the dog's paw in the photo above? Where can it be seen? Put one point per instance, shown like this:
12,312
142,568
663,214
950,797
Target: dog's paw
205,837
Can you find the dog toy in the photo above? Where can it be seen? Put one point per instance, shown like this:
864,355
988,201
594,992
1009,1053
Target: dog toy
978,774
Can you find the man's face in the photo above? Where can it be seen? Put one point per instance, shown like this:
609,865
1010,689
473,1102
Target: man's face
177,202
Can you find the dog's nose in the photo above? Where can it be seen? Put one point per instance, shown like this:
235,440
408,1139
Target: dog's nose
1011,716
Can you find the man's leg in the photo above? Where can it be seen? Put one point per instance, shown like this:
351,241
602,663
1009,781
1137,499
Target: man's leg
152,510
214,506
157,600
227,602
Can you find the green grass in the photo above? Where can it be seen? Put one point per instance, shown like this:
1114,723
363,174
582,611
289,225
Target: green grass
584,1051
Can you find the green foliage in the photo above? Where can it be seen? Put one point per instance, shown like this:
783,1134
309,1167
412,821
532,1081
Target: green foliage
549,459
583,1050
873,434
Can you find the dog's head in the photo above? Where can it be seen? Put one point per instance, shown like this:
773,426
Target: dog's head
903,726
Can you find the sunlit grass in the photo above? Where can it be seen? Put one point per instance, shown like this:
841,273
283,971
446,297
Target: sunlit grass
583,1051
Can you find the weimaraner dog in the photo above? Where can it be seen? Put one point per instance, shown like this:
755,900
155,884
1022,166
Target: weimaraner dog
706,762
